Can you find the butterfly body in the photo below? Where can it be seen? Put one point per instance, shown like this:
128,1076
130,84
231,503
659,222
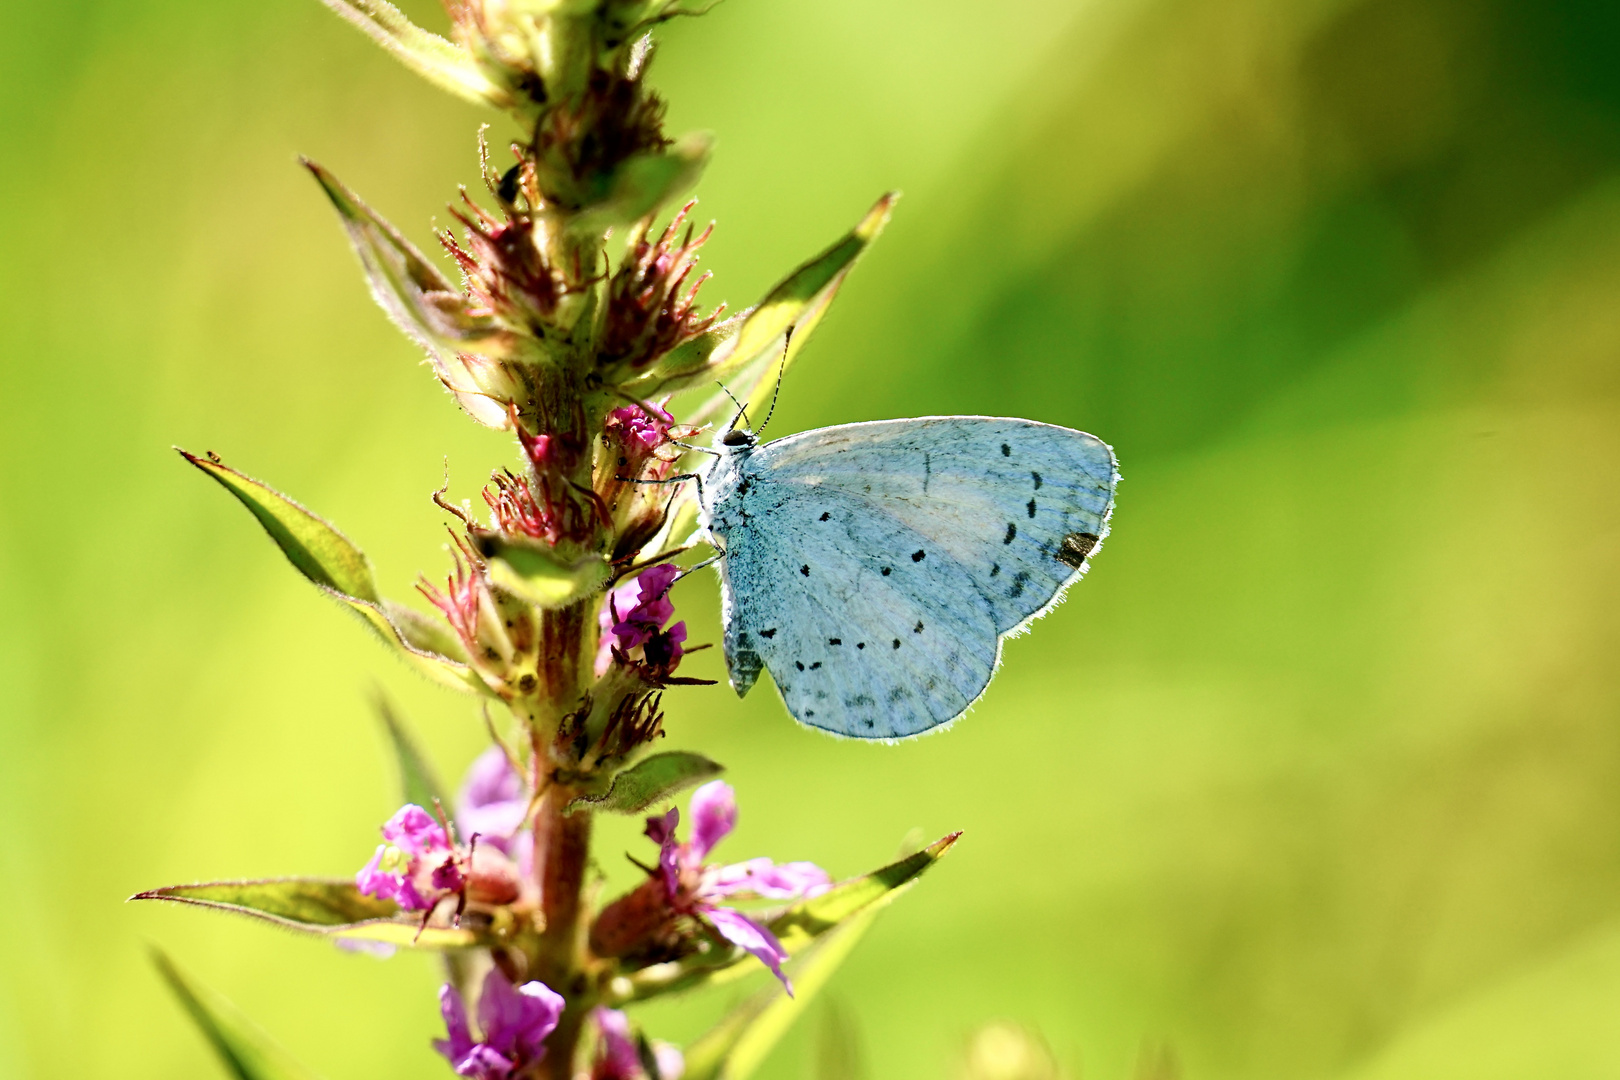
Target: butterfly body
874,568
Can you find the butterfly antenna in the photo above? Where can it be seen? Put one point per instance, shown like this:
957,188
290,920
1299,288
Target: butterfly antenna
742,410
780,368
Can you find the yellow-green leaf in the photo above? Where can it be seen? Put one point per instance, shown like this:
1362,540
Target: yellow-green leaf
246,1052
736,1046
321,553
644,182
752,358
649,782
437,60
797,926
334,565
536,573
417,782
316,906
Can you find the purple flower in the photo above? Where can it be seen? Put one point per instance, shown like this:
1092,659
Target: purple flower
617,1056
514,1022
633,618
492,803
417,866
412,843
640,428
691,886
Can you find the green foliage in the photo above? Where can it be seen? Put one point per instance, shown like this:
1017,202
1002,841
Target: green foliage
246,1052
437,60
313,905
649,782
538,574
736,1046
417,782
334,565
752,353
800,925
641,184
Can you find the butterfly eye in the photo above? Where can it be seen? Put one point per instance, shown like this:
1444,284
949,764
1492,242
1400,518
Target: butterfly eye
736,437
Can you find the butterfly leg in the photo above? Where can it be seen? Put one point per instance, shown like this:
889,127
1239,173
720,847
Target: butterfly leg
677,478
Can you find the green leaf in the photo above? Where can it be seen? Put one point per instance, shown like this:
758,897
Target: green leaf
246,1052
437,60
809,919
321,553
417,782
649,782
536,573
423,303
794,307
797,926
644,182
736,1046
316,906
838,1044
334,565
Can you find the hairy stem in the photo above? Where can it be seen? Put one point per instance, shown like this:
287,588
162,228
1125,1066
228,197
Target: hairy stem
561,854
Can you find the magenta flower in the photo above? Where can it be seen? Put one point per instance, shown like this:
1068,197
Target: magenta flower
617,1056
513,1021
693,887
418,865
633,618
413,844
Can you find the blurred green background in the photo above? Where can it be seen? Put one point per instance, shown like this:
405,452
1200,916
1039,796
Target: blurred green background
1318,773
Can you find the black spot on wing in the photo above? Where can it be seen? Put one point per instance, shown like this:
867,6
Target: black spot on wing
1037,477
798,664
1006,451
1020,579
897,643
835,641
768,634
995,568
860,644
1012,533
1031,508
918,556
1076,546
805,569
825,514
918,628
887,571
816,666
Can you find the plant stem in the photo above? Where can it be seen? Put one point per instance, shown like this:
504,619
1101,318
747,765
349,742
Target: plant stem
561,854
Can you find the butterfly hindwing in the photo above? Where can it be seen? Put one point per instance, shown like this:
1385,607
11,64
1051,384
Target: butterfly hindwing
873,568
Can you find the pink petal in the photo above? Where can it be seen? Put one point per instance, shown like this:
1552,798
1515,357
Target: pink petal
751,937
714,815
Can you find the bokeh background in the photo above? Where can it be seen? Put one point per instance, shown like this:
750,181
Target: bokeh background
1318,773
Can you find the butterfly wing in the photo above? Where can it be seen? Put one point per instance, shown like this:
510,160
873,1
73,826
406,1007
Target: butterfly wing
873,568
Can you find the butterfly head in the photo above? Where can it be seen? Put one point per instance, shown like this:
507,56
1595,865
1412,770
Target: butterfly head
738,439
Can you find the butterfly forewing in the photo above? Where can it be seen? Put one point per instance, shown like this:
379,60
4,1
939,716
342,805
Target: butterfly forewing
874,567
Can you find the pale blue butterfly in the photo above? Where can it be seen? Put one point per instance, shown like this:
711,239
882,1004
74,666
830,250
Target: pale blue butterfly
874,568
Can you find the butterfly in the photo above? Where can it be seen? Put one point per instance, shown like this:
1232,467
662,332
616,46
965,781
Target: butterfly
874,568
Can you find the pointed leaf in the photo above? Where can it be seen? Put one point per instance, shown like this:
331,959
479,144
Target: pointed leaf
736,1046
649,782
430,311
536,573
316,906
334,565
437,60
321,553
417,782
644,182
796,304
797,926
246,1052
